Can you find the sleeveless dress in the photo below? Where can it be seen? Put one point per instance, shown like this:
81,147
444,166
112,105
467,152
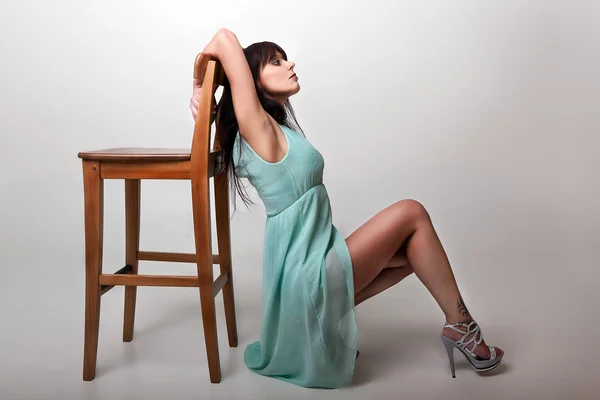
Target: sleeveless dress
308,333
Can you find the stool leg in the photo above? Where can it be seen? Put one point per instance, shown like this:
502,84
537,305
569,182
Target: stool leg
209,322
132,244
202,230
93,187
224,242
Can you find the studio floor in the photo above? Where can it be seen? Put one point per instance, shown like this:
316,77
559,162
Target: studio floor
548,334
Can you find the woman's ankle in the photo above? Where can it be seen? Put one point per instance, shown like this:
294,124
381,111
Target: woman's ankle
459,319
458,313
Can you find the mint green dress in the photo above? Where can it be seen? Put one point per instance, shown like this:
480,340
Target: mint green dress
308,333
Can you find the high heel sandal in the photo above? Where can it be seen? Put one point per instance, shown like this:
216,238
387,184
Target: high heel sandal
478,364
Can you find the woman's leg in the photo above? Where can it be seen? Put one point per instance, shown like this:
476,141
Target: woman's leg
406,222
396,269
387,278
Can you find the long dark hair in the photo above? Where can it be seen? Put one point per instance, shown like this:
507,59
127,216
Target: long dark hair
257,55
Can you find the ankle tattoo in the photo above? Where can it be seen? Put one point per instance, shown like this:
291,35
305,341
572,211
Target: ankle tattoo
462,309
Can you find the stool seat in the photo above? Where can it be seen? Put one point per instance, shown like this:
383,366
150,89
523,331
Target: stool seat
133,154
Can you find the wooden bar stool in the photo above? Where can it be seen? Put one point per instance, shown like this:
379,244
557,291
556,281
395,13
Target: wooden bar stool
133,164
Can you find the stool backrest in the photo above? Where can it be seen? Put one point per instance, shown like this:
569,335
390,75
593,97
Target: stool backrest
210,72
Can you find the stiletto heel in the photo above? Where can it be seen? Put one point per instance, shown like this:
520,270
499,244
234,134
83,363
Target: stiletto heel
449,345
478,364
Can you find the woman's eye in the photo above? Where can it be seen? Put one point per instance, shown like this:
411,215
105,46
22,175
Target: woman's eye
276,61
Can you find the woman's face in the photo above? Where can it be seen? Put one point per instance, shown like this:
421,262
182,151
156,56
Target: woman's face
278,80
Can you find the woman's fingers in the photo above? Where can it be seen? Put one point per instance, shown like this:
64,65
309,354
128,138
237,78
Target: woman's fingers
195,103
194,111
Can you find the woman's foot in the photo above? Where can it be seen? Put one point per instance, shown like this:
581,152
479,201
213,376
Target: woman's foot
482,351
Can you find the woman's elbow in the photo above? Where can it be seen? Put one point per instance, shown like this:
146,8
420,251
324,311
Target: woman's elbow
225,33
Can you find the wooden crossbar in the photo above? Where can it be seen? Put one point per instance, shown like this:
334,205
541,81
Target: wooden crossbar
159,280
172,257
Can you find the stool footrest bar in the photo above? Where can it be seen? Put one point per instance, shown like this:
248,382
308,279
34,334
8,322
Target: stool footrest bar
125,270
149,280
172,257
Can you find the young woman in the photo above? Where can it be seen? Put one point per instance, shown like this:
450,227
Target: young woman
313,277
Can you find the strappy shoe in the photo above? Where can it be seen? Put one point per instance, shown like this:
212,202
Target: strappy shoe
472,329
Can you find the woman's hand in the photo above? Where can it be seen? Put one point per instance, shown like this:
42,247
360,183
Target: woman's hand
195,99
211,48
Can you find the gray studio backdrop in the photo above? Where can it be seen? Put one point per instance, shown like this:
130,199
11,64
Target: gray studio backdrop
484,111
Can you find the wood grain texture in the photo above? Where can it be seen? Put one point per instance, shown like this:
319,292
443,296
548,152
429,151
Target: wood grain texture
172,257
137,154
202,221
132,244
149,280
221,189
146,170
132,164
201,68
93,188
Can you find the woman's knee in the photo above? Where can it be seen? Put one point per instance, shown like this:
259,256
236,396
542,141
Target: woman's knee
412,211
